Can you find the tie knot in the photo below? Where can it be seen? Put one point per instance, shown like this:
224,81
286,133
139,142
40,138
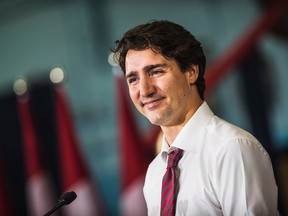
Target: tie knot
174,157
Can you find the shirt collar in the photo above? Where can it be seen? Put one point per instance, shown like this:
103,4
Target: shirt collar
191,133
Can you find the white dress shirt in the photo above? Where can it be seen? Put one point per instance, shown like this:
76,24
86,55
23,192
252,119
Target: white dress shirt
224,171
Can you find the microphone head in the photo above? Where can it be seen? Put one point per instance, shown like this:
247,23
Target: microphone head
68,197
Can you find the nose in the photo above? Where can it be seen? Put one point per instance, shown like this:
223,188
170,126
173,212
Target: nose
147,87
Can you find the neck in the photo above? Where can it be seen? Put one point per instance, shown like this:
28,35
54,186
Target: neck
171,132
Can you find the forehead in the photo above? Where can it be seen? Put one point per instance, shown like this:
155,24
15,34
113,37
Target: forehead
137,59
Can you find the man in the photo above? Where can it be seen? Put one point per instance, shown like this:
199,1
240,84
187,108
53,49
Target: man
222,169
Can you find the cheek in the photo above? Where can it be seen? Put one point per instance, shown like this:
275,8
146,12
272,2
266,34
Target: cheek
177,89
164,85
136,102
133,95
169,86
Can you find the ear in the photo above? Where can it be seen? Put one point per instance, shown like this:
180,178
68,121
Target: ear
193,74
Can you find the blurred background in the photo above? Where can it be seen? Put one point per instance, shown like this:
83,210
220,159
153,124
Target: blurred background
81,133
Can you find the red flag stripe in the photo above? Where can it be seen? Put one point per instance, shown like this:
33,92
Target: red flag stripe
39,190
74,171
71,162
33,162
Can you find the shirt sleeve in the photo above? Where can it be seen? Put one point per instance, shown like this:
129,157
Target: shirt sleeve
243,179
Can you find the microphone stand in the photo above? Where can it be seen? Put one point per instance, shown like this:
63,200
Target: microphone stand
66,199
58,205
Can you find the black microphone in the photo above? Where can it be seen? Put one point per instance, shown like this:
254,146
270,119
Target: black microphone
65,199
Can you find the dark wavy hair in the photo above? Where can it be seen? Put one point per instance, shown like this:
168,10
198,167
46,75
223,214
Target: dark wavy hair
171,40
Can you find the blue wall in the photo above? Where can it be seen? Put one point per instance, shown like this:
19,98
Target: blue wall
36,36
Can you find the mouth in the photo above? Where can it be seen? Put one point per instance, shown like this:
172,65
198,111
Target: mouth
151,103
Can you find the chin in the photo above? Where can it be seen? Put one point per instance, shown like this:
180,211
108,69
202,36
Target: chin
155,121
156,118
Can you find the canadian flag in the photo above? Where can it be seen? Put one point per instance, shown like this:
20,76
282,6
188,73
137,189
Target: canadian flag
137,150
39,191
74,171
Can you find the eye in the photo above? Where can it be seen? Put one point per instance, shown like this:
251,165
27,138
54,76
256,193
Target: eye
156,72
132,80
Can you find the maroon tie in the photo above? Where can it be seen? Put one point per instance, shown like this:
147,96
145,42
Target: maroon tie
169,184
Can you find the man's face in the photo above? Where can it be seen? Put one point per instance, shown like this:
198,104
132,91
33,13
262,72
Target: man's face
158,88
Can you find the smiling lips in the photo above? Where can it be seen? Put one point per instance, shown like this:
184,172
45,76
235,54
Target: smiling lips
151,103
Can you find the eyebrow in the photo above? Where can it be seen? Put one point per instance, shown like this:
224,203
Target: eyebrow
146,69
151,67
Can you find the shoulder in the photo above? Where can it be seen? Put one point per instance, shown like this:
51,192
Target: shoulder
224,130
228,140
222,133
235,146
